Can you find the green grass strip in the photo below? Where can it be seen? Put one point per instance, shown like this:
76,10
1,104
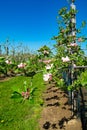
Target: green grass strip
16,115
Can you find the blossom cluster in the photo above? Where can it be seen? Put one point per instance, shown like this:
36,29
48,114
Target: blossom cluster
65,59
73,6
25,95
73,44
21,65
48,67
46,61
80,39
47,77
46,52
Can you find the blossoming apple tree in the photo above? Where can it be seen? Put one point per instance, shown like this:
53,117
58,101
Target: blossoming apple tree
69,52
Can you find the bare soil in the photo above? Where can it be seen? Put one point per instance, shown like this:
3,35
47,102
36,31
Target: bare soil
57,113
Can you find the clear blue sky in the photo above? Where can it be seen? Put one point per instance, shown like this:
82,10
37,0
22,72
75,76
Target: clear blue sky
33,22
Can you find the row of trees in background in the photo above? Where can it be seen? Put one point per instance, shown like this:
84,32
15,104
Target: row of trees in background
17,51
18,59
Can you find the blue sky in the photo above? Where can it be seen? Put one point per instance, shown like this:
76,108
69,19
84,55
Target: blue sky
33,22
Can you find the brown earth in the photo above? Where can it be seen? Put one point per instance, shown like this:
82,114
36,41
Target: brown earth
56,113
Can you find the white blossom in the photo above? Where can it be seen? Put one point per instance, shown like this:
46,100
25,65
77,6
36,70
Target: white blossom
73,20
73,33
65,59
8,62
47,76
48,67
73,6
73,44
46,52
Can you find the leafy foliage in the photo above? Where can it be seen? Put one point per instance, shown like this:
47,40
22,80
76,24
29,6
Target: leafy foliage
68,51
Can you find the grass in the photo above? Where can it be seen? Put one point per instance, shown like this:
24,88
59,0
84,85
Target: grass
16,115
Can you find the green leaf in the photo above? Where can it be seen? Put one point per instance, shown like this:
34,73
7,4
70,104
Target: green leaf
83,23
32,90
16,95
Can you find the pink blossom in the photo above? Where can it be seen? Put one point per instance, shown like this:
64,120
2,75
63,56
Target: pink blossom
46,61
25,95
79,39
73,44
50,77
65,59
21,65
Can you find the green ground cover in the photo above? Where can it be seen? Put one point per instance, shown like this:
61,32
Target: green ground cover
16,115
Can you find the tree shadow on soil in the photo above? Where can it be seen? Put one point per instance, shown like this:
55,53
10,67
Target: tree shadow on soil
54,104
54,97
47,125
63,121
